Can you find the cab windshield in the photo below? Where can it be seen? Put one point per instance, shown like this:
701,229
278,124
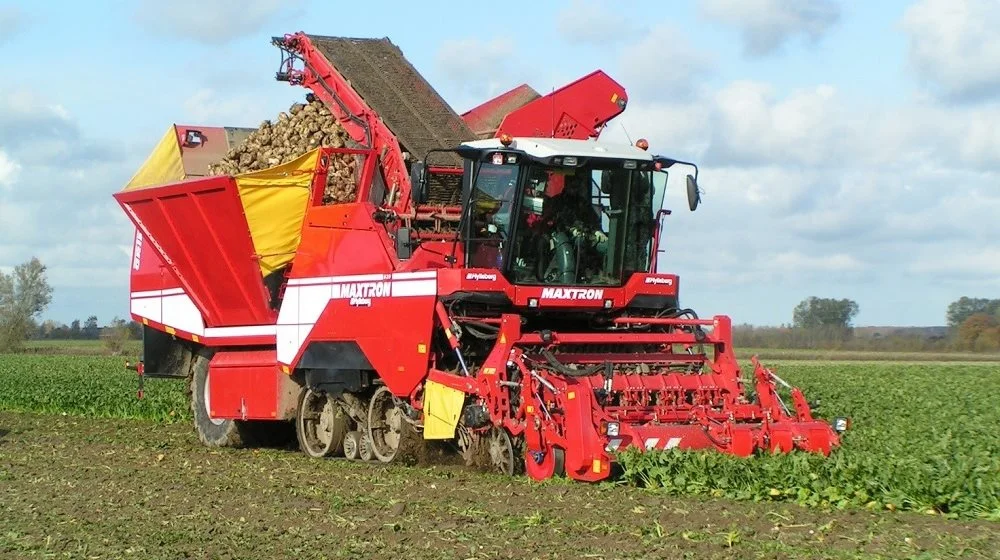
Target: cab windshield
589,225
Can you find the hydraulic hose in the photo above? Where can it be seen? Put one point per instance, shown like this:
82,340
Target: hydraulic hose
482,331
561,368
674,312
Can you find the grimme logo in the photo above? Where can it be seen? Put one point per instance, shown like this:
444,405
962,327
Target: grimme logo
361,293
572,293
664,281
481,276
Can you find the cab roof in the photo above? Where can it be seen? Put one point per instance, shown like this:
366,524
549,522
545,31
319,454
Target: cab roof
543,148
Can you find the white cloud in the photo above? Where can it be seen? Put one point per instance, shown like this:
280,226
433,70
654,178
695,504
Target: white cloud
595,23
752,125
766,25
981,264
955,46
12,21
818,127
60,208
480,68
813,192
214,22
9,169
40,133
662,64
211,107
793,260
667,126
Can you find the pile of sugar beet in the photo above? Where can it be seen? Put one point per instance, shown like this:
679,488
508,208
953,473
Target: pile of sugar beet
304,127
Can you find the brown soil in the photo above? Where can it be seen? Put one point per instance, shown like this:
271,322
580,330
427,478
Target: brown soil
94,488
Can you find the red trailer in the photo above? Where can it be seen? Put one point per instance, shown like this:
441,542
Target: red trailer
493,284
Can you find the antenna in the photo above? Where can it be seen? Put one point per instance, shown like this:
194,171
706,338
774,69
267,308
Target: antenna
626,133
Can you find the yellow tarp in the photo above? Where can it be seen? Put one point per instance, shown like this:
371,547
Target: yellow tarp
164,164
442,407
274,201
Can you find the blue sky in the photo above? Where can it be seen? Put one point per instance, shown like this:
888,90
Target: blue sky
848,148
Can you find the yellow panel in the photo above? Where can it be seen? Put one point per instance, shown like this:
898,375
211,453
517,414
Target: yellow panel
442,407
275,201
163,165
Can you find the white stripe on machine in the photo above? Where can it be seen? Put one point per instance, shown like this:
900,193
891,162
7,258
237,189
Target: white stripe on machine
306,298
175,309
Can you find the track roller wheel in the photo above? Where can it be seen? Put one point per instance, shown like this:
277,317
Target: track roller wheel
365,448
320,424
388,430
352,445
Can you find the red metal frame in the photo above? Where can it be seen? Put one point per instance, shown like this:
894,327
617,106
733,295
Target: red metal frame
202,247
671,409
578,110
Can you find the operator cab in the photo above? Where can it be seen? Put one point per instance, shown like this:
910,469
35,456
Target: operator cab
562,212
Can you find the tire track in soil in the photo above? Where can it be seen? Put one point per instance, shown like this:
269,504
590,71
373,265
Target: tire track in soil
98,488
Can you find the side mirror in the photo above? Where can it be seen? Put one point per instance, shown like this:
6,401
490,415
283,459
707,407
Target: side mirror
694,197
418,182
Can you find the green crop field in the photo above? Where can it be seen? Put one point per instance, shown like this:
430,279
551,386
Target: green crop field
924,443
97,386
924,436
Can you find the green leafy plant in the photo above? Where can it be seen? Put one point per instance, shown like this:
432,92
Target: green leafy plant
86,385
924,439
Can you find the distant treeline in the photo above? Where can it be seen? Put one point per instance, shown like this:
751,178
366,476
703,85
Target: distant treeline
939,339
87,330
825,324
818,323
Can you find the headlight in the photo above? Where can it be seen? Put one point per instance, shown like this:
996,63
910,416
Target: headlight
841,424
612,429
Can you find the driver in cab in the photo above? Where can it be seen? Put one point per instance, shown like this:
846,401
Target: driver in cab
568,207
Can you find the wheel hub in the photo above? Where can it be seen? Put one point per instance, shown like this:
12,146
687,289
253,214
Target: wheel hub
392,424
319,425
324,428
